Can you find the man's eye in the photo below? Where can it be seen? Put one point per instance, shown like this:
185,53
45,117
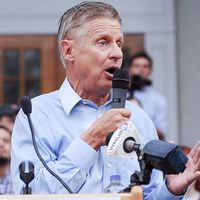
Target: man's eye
103,42
119,44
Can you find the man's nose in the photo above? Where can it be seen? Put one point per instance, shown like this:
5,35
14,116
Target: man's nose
116,52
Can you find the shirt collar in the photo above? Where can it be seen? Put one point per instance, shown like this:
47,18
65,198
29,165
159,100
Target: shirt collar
69,98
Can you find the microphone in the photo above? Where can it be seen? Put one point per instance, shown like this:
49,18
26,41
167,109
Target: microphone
26,170
120,85
27,109
157,154
160,155
26,105
122,141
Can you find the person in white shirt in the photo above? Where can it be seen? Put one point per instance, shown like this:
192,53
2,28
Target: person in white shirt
142,91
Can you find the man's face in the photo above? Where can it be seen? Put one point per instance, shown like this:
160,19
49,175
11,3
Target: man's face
7,121
5,139
140,66
97,54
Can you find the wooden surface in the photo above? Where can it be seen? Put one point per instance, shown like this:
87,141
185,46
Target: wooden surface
136,194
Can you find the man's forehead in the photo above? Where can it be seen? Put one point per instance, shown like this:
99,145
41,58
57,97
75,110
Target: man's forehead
4,129
4,133
141,60
103,24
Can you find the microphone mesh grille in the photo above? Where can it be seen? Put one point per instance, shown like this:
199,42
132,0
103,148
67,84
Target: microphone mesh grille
120,79
26,105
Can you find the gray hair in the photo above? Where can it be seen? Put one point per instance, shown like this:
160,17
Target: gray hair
72,22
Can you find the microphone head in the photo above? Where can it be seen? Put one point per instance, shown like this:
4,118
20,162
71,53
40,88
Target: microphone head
116,145
26,169
26,105
120,79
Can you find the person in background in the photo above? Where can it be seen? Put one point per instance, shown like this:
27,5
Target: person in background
8,113
6,186
72,123
142,91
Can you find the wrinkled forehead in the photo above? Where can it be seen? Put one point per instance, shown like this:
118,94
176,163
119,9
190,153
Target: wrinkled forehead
103,25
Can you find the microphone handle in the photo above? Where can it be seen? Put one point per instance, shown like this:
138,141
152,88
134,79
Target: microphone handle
108,137
27,190
42,160
119,98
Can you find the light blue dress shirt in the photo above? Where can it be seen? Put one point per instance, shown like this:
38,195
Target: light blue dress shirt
59,118
155,105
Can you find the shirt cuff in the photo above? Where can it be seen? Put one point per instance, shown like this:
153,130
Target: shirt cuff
166,194
81,154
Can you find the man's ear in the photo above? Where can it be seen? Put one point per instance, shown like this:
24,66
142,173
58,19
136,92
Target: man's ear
67,49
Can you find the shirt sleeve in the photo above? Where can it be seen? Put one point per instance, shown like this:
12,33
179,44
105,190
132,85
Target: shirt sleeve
72,166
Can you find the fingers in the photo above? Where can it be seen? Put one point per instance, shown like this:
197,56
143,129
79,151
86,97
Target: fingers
124,112
198,164
194,150
196,156
193,177
118,116
96,134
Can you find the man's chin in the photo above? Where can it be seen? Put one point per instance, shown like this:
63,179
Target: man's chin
4,161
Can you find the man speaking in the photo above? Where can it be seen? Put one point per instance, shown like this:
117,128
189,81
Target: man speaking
72,123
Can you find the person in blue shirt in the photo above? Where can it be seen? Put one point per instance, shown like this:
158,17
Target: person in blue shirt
153,103
72,123
5,146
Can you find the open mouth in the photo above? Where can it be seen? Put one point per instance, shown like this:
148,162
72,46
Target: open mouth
111,70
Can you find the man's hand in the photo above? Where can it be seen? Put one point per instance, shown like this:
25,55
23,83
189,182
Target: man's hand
96,134
178,183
